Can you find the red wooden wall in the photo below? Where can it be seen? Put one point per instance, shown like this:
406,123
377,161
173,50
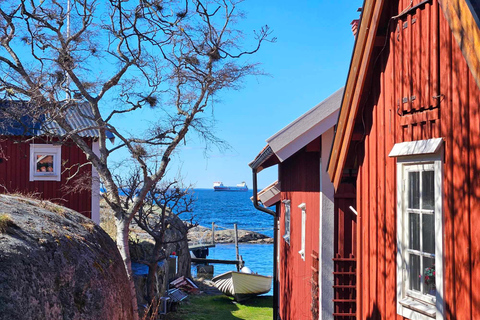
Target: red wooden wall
345,256
300,183
420,88
14,176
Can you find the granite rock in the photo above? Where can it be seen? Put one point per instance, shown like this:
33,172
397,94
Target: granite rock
57,264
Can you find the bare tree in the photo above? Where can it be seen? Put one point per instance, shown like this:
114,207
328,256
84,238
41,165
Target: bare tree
119,57
158,217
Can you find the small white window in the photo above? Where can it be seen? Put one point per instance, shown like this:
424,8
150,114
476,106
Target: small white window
286,236
419,231
45,162
304,221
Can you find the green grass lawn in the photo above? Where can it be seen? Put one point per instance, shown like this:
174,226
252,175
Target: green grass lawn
222,307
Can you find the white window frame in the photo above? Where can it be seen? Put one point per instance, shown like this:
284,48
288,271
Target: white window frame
287,220
409,154
304,222
45,149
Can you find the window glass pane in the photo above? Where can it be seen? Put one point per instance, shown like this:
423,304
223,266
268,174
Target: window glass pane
414,194
429,276
44,163
428,230
428,190
415,273
414,222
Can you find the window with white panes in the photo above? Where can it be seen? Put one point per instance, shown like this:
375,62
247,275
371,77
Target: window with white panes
45,162
419,229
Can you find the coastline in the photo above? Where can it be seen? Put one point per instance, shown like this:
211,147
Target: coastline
200,234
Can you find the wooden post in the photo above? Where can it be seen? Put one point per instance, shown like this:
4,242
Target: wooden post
213,232
236,245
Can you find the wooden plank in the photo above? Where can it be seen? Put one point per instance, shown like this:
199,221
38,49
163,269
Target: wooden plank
358,91
418,117
407,48
461,232
434,93
219,261
474,194
372,196
359,51
446,129
344,300
466,32
200,246
381,156
360,253
425,58
416,32
390,183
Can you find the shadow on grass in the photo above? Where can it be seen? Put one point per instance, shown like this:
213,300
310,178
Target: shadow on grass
223,307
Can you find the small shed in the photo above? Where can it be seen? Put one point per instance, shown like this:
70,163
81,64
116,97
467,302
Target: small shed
35,162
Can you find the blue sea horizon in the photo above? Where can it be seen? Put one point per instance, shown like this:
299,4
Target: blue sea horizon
226,209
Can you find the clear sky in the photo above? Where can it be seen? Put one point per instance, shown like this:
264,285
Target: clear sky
309,61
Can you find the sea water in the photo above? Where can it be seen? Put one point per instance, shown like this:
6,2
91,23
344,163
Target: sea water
225,209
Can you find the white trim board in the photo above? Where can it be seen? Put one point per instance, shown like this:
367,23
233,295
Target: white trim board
307,127
418,147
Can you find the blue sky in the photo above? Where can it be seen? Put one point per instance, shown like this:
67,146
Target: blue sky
309,61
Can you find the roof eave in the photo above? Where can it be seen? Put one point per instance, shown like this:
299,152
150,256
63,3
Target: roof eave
356,80
266,158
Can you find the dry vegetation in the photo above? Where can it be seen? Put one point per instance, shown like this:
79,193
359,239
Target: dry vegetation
5,222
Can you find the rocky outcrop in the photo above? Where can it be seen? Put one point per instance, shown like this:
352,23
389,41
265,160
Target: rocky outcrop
57,264
201,234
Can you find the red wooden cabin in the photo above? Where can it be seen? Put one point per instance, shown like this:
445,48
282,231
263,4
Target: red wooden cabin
316,264
408,136
33,162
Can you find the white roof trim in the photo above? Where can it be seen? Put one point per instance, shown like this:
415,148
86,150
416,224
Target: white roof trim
418,147
270,195
307,127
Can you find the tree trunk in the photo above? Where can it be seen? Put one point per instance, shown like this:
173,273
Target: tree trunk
122,245
152,272
152,283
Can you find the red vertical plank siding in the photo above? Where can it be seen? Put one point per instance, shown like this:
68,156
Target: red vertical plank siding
360,256
365,200
460,184
15,175
415,31
375,232
434,94
390,184
447,133
299,176
425,61
474,196
381,196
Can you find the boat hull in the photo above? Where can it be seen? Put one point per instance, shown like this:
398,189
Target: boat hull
242,286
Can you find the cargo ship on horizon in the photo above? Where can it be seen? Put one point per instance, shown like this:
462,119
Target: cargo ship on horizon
218,186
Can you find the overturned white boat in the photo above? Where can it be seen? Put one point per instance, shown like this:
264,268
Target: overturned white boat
242,285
